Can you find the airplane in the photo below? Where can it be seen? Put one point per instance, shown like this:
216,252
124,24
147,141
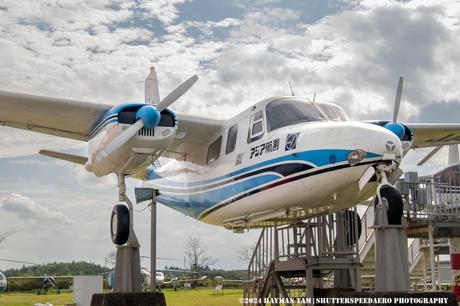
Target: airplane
160,278
282,159
3,282
48,282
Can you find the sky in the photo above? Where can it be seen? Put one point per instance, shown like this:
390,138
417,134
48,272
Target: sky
350,52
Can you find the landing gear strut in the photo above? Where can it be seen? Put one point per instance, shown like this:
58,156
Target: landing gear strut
388,196
127,267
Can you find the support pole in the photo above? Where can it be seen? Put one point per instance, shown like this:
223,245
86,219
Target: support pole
153,246
432,266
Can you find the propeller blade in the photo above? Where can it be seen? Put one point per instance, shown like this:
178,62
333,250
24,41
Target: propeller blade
176,93
121,140
152,94
430,155
398,99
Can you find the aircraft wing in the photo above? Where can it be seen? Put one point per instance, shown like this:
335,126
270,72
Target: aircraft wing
434,134
192,133
59,117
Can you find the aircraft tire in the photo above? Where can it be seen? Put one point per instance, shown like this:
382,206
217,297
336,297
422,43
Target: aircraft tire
119,224
350,217
395,204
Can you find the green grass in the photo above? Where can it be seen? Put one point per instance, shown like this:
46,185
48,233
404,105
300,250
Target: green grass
28,299
187,297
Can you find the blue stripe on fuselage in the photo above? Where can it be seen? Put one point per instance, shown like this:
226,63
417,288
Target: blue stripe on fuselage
196,203
317,157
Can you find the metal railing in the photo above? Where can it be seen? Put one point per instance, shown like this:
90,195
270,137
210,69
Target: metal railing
367,223
320,238
413,250
428,201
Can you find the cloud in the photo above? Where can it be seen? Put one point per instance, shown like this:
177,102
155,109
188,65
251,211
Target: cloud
439,112
351,52
26,209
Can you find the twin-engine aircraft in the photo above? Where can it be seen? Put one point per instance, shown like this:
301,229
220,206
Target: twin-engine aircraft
281,159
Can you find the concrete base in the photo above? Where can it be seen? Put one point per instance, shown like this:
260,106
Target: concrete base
131,299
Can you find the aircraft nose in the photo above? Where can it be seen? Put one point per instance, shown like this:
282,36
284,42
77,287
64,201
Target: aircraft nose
380,141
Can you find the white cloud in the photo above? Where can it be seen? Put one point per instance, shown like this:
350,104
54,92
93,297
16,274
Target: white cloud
26,209
100,50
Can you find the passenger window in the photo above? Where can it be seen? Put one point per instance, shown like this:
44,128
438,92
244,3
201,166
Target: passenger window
231,139
214,150
256,128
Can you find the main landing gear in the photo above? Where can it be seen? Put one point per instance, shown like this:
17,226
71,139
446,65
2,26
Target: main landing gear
127,267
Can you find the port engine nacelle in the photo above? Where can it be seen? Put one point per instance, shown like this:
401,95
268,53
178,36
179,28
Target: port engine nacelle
134,156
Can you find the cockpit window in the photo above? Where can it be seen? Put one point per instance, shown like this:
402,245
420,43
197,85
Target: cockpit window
281,113
333,111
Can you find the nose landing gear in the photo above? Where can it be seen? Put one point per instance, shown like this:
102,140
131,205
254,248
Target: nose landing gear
388,196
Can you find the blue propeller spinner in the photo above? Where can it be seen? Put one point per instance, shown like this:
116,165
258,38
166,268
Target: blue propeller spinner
149,115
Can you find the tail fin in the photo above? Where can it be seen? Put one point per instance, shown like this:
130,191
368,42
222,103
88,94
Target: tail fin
152,94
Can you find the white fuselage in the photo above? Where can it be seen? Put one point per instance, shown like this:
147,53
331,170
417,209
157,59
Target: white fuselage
293,171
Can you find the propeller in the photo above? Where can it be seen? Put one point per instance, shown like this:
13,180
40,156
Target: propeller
148,116
398,100
394,126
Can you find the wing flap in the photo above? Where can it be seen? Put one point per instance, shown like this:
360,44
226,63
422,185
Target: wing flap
59,117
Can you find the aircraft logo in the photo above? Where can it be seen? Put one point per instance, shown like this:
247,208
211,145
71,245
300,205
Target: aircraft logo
291,142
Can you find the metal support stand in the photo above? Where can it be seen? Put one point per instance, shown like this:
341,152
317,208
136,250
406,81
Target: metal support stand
153,246
128,264
432,266
390,251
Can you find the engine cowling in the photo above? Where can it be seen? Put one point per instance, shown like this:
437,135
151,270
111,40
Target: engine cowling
140,151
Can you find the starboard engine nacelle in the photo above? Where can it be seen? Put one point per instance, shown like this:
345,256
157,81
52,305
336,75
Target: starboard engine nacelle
140,150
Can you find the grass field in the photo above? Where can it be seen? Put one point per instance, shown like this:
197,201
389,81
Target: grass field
190,297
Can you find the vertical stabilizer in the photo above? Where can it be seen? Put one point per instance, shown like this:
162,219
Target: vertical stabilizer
152,94
453,155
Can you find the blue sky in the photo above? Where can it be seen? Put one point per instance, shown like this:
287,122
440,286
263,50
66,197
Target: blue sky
350,52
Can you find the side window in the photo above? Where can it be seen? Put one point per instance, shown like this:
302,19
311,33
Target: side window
231,139
214,150
256,127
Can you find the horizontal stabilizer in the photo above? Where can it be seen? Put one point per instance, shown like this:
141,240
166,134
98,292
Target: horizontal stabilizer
65,156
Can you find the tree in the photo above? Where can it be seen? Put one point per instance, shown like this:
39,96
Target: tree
196,253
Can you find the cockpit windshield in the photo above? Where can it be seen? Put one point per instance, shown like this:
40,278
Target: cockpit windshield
333,111
285,112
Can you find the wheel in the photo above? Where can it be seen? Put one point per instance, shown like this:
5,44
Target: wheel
119,224
395,204
350,217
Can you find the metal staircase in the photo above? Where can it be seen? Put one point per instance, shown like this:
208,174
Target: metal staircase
289,261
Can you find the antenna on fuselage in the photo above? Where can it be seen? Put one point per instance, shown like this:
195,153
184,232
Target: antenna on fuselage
290,86
314,97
